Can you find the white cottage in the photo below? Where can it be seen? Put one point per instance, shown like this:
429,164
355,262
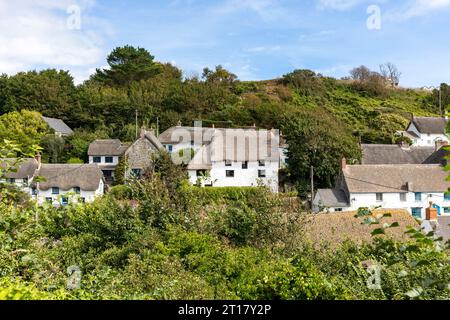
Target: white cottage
426,131
107,154
400,186
66,183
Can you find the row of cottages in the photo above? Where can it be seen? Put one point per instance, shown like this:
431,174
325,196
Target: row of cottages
426,131
107,154
228,157
213,156
57,184
411,187
395,176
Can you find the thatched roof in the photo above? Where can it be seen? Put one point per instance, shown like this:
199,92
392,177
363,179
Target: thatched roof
68,176
24,168
432,125
108,147
396,178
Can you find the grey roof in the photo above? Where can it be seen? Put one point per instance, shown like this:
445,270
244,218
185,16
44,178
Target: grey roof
395,178
150,136
58,125
430,125
177,134
108,147
333,198
395,154
68,176
24,168
237,145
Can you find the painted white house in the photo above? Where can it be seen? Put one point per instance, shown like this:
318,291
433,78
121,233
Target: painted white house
426,131
19,172
106,154
236,158
61,184
390,186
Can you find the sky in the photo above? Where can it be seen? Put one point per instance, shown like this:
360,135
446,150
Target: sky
255,39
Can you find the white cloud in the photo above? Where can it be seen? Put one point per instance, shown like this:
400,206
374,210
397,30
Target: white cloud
35,35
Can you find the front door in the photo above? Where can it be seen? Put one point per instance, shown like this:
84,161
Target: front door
438,209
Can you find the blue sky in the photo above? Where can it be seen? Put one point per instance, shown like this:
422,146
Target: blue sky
256,39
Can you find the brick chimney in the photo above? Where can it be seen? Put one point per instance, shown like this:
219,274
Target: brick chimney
343,163
431,213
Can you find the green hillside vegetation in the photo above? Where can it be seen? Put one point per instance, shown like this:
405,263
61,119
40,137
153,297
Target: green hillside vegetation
363,108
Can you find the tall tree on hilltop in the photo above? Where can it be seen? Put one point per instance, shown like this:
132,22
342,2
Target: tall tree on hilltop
126,65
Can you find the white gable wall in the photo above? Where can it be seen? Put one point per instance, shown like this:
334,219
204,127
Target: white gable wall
426,140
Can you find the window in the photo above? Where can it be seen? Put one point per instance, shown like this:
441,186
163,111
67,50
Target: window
230,173
64,201
447,196
261,173
418,196
192,143
338,210
11,180
379,197
34,192
136,173
169,148
417,212
403,197
447,210
228,163
25,180
201,173
97,159
49,200
109,159
261,163
55,190
245,165
77,190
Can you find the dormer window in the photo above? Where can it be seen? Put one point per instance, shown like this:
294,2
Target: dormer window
77,190
97,159
261,163
55,190
228,163
109,159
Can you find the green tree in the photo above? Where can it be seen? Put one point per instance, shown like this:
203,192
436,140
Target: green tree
53,147
126,65
317,139
25,128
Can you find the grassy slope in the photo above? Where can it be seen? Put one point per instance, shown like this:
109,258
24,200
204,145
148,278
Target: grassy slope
377,118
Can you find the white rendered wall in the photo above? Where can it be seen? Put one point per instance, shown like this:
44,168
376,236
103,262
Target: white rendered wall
242,177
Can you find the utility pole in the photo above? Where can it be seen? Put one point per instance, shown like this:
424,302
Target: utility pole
440,100
312,186
136,124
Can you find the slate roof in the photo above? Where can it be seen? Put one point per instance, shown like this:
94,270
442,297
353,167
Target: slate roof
430,125
68,176
333,198
395,178
24,168
58,125
108,147
395,154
